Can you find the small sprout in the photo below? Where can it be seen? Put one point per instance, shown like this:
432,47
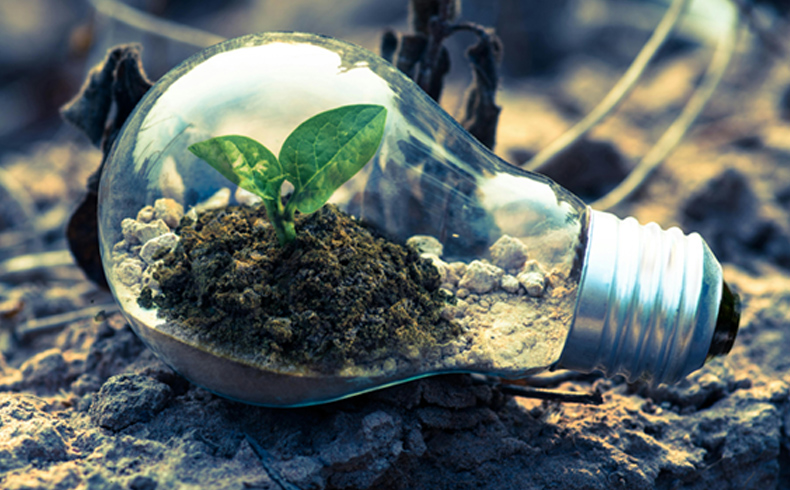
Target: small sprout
319,156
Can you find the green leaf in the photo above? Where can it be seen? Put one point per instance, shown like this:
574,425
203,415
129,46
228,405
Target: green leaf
328,149
245,162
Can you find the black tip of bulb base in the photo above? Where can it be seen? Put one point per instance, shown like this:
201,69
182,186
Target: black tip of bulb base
726,323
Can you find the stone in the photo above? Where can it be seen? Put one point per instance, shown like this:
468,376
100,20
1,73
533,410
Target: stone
533,282
439,264
127,399
169,211
136,232
220,199
128,227
426,244
509,283
148,231
129,271
458,269
156,246
533,266
247,198
145,215
508,252
480,277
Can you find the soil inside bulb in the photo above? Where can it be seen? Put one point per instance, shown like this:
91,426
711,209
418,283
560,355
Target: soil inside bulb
340,294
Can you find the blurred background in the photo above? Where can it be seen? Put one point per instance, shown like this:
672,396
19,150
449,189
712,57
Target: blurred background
47,46
560,59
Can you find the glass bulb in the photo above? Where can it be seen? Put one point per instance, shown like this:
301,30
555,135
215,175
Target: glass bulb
511,275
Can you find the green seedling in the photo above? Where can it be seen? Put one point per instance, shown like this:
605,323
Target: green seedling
319,156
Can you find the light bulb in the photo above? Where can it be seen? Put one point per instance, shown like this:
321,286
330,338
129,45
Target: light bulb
529,277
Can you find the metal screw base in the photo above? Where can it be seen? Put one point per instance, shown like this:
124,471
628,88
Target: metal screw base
648,303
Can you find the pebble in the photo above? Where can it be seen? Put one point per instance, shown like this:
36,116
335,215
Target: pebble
426,244
129,271
458,269
169,211
533,266
533,283
220,199
481,277
439,264
146,215
247,198
156,245
136,232
462,293
510,284
508,252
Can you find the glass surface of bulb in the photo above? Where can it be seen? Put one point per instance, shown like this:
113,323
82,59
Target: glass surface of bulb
507,248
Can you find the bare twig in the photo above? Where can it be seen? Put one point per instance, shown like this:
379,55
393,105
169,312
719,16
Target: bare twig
155,25
618,93
552,395
675,133
33,262
38,326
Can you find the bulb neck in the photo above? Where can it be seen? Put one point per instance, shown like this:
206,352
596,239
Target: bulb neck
652,303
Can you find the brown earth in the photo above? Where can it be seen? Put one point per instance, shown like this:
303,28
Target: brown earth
338,295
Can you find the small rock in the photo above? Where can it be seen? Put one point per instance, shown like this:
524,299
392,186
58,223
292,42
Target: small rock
439,264
121,246
261,224
135,232
129,271
533,266
426,245
145,215
508,252
533,283
156,246
192,215
220,199
168,211
462,293
148,231
481,277
510,284
458,269
128,226
127,399
247,198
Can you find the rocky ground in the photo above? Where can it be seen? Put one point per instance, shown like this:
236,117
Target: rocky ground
83,404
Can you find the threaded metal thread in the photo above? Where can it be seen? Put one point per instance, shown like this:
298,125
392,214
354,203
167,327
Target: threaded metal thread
648,302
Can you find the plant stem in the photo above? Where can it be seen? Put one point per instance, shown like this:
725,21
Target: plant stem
282,222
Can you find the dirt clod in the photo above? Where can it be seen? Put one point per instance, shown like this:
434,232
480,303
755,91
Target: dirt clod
127,399
339,293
